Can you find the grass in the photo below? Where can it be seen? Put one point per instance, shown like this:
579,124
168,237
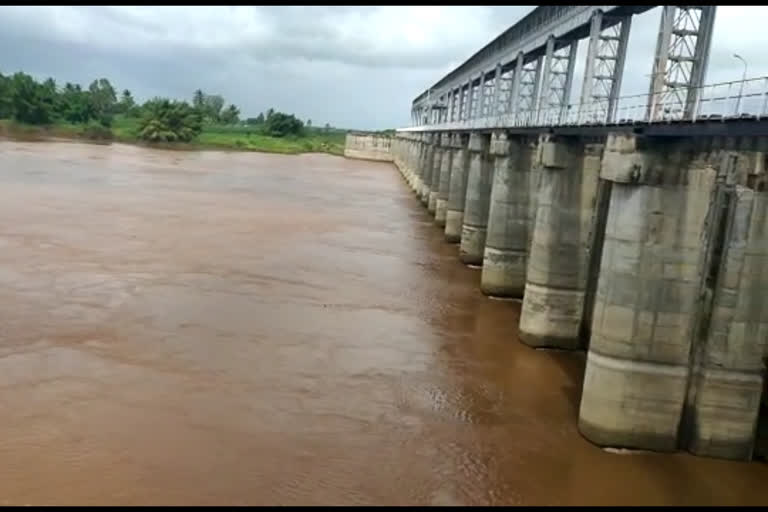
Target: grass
9,128
235,138
243,138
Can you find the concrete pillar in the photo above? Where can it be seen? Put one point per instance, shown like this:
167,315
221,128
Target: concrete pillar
457,194
477,204
556,276
727,381
407,148
414,147
437,162
441,205
645,310
397,152
418,164
724,393
509,218
426,168
406,160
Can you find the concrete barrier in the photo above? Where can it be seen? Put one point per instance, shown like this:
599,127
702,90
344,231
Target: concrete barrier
368,146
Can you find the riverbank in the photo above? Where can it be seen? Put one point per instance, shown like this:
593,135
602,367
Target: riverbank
234,138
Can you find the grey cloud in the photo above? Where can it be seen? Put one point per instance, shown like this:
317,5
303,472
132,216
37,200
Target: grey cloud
357,67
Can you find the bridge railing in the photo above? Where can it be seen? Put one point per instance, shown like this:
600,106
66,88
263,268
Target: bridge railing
720,101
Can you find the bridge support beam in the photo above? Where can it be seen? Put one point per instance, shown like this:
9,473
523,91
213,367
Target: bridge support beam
509,218
477,205
405,159
426,168
413,159
457,194
441,203
645,308
434,182
556,277
727,381
417,148
679,329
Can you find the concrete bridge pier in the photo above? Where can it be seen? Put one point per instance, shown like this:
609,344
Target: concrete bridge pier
727,372
509,217
408,160
437,162
457,193
441,203
679,328
556,276
418,169
400,156
478,198
426,168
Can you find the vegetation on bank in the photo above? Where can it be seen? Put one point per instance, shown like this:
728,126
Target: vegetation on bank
37,110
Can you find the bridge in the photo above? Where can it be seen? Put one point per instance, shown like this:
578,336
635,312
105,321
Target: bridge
633,227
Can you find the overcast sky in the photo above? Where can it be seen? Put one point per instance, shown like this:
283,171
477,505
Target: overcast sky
354,67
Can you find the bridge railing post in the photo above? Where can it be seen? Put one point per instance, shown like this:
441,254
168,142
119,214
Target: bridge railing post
765,99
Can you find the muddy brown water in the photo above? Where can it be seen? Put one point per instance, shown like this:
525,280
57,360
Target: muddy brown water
242,328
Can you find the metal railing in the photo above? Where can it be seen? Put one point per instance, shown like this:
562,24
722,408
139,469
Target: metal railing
721,101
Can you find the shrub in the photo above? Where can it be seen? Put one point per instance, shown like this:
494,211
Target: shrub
170,121
280,125
97,131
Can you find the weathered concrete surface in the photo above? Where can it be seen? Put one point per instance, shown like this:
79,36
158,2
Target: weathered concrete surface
404,151
557,266
509,218
645,309
427,164
434,185
679,330
457,194
441,204
400,157
410,159
724,397
420,148
478,198
366,146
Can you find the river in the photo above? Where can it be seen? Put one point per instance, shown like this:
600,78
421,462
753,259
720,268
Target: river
243,328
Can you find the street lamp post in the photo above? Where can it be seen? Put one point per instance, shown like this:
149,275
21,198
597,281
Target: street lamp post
743,79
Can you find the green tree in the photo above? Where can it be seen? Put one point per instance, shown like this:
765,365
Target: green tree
50,87
198,100
75,105
213,105
103,96
169,121
6,97
260,118
32,102
126,102
270,112
280,125
231,115
309,123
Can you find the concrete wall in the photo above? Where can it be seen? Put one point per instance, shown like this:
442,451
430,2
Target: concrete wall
368,146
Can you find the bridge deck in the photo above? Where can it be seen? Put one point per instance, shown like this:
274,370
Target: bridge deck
726,127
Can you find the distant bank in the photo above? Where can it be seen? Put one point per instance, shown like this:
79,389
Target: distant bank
235,138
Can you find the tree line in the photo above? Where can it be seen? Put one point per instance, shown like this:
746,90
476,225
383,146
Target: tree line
24,99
